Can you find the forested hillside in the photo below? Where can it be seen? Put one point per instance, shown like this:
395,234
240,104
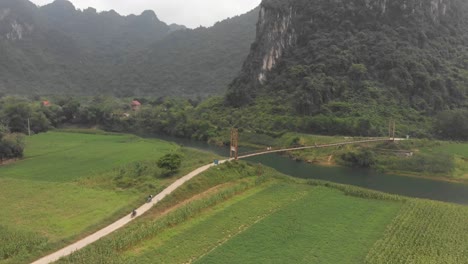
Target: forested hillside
58,49
190,63
341,63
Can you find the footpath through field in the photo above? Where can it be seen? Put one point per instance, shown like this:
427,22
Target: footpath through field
123,221
146,207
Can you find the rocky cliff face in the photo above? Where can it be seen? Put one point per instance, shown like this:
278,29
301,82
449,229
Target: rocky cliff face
16,25
303,32
275,34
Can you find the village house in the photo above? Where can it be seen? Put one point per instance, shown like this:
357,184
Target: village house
135,105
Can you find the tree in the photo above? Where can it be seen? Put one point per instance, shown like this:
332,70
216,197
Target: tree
11,146
170,162
452,124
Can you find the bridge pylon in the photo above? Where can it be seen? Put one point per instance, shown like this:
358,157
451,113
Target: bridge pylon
234,148
392,129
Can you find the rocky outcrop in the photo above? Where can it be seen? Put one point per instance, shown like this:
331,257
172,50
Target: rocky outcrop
11,28
283,24
276,33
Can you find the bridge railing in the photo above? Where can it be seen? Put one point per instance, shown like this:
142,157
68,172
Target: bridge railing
301,147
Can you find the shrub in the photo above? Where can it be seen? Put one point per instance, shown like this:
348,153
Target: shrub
361,158
170,162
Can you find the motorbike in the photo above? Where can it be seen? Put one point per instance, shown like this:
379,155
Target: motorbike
150,199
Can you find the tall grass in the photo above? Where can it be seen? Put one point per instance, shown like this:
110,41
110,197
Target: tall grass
14,243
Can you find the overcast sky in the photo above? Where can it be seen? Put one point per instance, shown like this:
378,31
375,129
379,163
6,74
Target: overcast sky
191,13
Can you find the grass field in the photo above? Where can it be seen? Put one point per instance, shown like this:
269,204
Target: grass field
273,219
460,149
66,186
64,157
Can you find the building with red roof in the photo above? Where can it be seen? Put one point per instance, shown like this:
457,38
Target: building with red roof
135,105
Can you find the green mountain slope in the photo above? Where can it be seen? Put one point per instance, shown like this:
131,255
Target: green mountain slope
57,49
321,57
189,63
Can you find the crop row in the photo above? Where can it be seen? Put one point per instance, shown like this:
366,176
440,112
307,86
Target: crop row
424,232
106,250
18,243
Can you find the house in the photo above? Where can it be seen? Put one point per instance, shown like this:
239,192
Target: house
46,103
135,105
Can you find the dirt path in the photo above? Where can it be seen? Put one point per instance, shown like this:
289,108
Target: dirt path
122,222
7,162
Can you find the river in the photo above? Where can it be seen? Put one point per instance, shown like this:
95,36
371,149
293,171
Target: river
369,179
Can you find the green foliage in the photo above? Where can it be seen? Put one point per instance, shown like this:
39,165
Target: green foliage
452,124
15,243
170,162
11,146
363,158
421,163
68,51
359,64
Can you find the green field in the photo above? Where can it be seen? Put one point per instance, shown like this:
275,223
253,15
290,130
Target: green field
273,219
70,184
322,226
64,157
460,149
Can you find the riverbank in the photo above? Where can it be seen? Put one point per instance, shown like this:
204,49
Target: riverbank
428,159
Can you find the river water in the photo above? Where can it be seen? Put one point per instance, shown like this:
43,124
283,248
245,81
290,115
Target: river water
394,184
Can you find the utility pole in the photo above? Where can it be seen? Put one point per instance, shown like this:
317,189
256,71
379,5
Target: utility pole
392,129
234,149
29,127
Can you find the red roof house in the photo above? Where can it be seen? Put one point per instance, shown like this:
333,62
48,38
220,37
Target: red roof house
136,105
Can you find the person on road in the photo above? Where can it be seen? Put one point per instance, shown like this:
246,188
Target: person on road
134,213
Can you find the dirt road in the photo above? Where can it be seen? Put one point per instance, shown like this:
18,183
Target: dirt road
121,222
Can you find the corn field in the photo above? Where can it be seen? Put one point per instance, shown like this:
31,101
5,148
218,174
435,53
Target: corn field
18,243
424,232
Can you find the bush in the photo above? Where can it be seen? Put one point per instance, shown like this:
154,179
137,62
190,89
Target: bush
170,162
362,158
11,146
452,124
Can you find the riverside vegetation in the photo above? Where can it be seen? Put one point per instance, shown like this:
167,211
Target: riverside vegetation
96,178
231,209
260,125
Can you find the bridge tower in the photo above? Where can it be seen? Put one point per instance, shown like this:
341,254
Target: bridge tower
392,129
234,148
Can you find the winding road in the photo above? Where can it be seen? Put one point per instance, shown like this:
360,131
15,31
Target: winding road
174,186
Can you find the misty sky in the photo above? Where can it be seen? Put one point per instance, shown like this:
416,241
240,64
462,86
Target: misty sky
191,13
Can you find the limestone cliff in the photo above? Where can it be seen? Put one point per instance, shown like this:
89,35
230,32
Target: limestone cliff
309,33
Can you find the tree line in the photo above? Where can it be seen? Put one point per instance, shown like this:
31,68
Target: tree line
211,119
